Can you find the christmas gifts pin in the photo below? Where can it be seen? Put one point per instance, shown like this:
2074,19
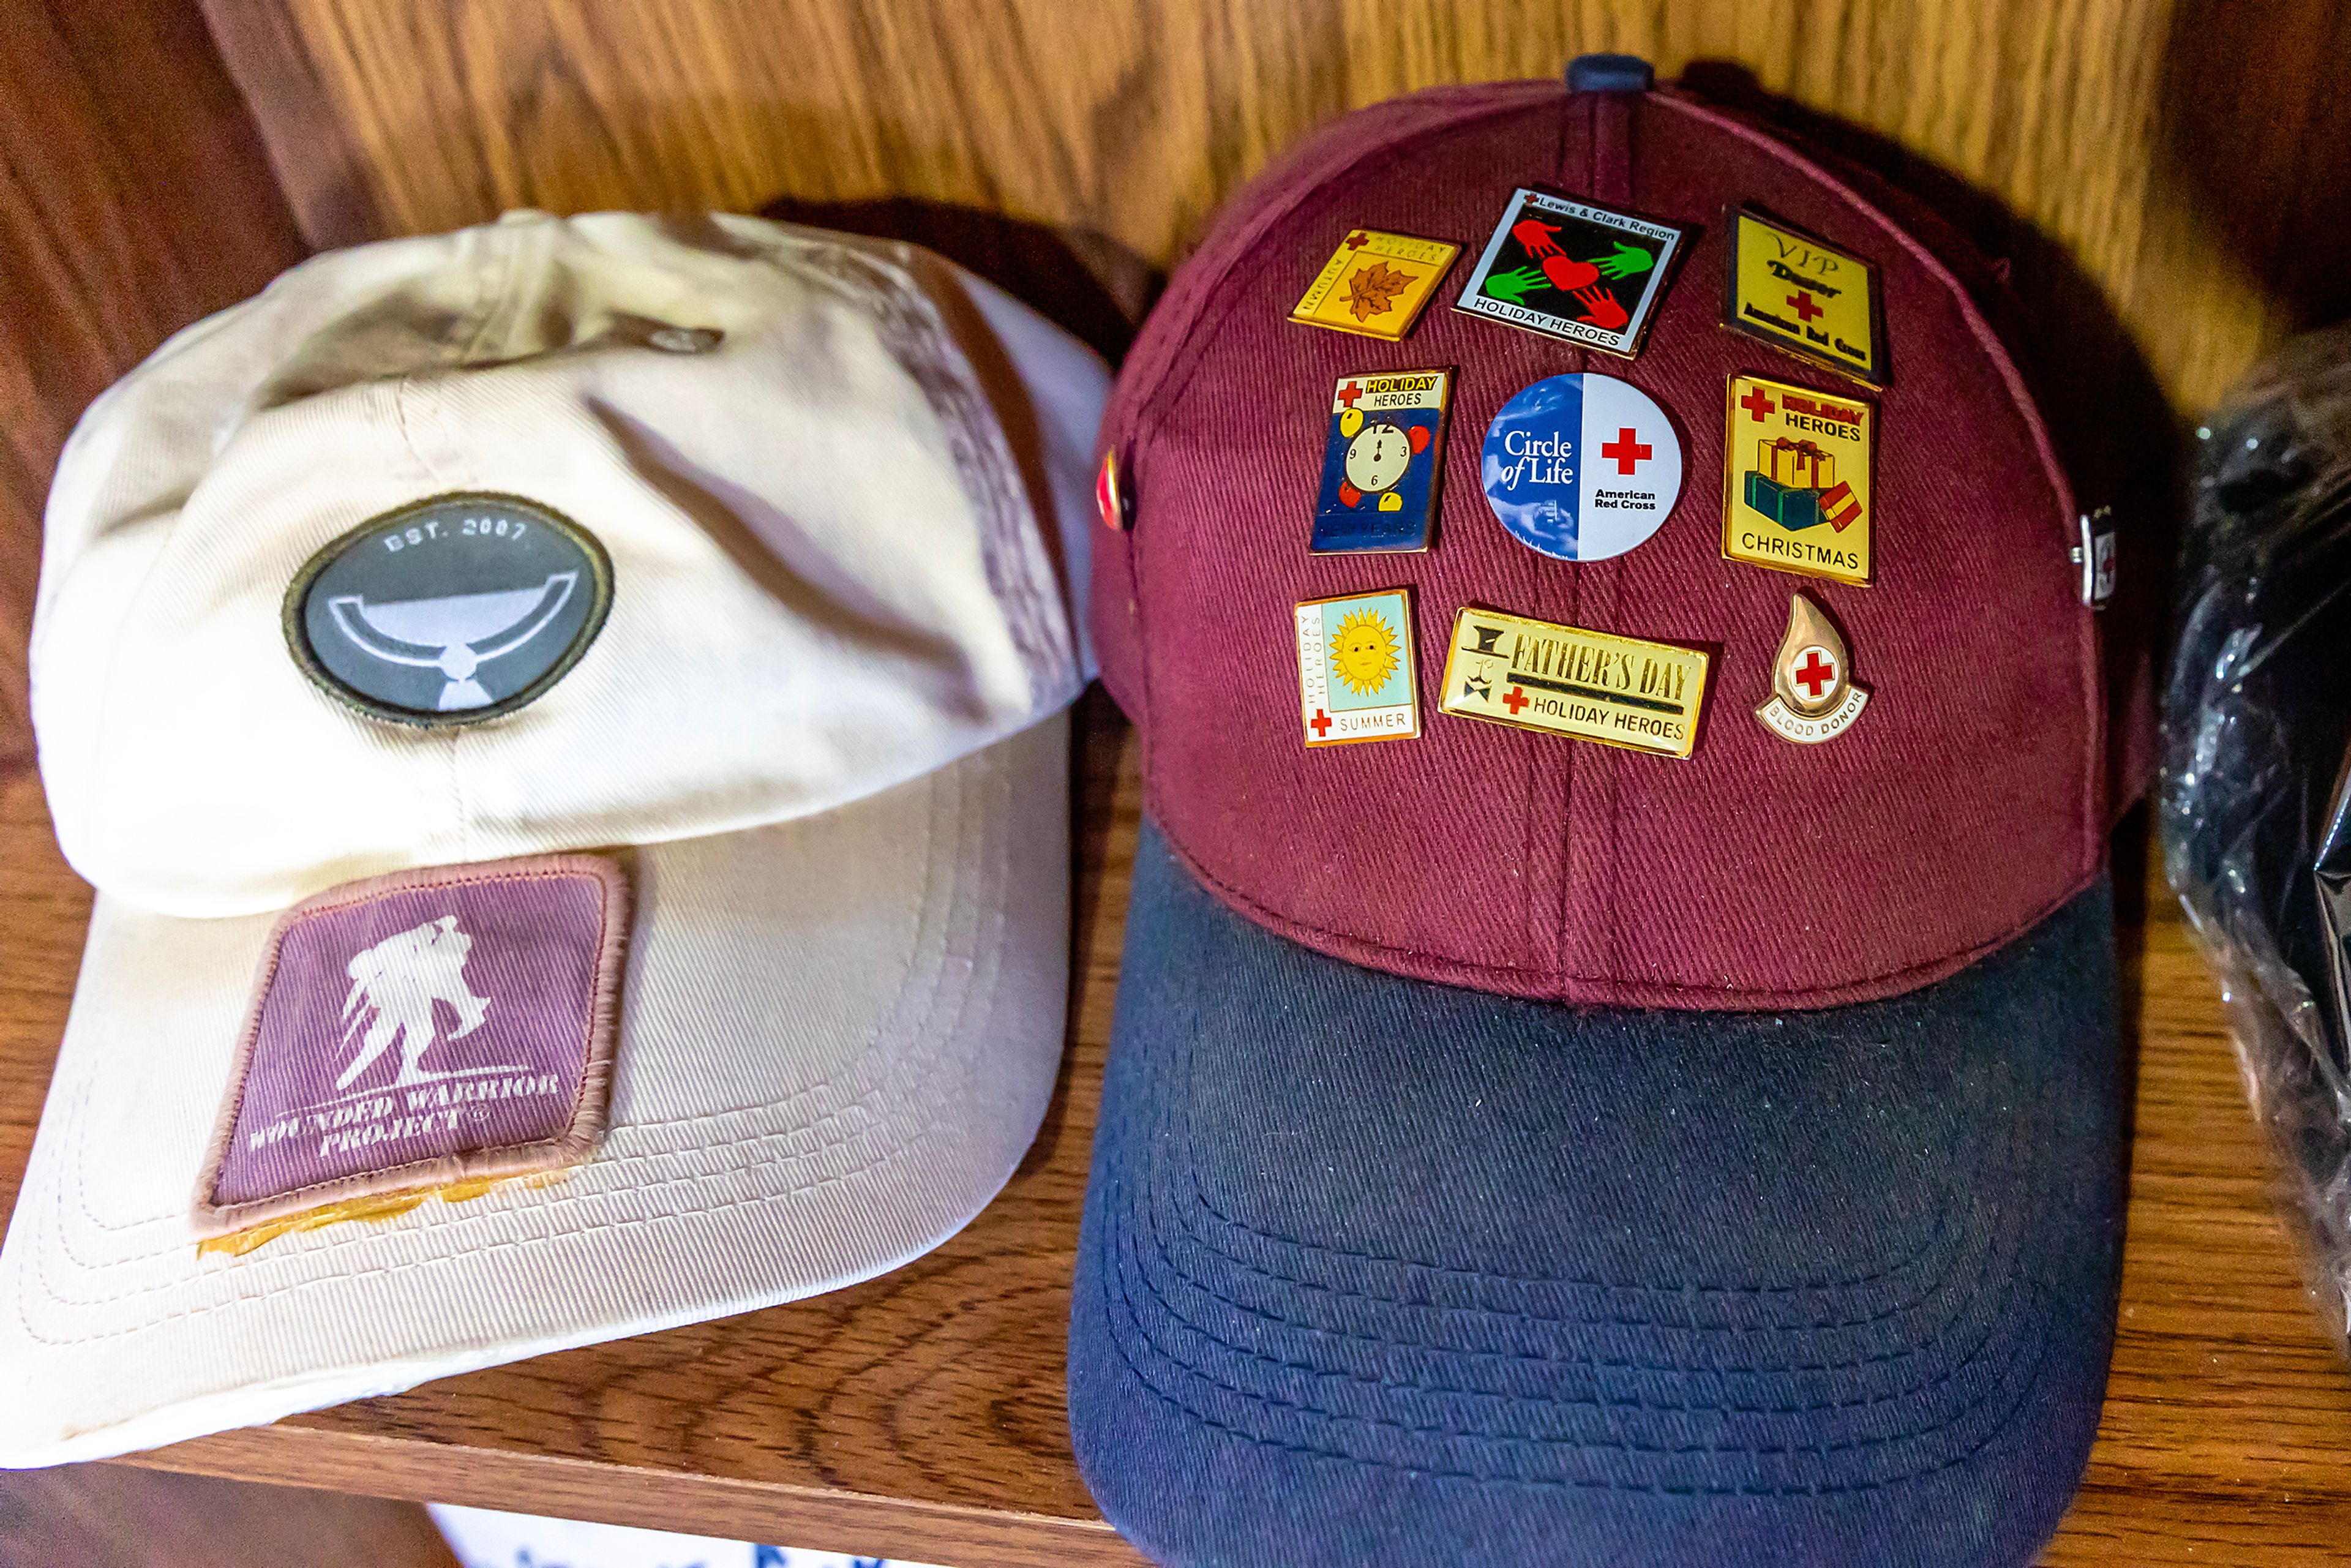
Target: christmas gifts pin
1580,467
1564,680
1357,679
1813,300
1382,461
1376,284
1569,269
1813,697
1796,480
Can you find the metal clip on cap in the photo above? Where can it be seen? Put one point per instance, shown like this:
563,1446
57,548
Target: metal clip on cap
1610,73
2093,552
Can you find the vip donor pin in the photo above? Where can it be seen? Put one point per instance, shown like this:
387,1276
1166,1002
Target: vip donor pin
1813,697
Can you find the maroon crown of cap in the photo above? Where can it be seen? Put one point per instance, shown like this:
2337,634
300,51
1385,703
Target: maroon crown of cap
1966,802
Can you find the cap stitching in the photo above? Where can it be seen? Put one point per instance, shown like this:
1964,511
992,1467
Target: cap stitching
1973,1176
768,1108
1623,1363
1546,1483
2012,1282
1115,1211
1281,924
356,1239
2001,1241
1262,1401
549,1203
911,323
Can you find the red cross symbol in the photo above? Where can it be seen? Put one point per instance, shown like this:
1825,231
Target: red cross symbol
1625,450
1758,403
1358,240
1349,393
1515,701
1321,725
1802,304
1815,673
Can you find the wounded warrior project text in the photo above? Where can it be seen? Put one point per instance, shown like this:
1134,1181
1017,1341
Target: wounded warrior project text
384,1118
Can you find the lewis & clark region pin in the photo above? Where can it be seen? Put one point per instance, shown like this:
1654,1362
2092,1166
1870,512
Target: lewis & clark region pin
1564,680
1569,269
1376,284
1382,461
1357,678
1811,299
1796,480
1813,697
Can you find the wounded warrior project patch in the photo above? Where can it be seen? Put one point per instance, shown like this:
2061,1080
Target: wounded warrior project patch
1376,284
1532,675
1382,461
1357,678
1813,300
1796,480
422,1029
455,610
1569,269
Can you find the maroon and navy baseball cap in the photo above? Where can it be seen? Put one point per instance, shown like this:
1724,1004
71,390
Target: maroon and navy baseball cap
1698,1147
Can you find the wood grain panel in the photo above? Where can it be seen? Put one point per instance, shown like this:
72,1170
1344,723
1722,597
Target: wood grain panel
919,1414
2188,156
111,1516
134,197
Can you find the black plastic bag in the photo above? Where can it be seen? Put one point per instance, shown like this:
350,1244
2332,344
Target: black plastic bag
2254,802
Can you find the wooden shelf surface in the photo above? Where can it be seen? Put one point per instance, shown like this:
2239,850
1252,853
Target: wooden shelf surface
920,1415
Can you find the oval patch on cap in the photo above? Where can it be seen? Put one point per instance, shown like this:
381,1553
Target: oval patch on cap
449,612
1582,466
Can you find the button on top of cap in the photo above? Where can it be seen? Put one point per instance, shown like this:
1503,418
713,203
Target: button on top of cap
1610,73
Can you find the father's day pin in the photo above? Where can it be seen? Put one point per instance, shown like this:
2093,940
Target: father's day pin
1582,466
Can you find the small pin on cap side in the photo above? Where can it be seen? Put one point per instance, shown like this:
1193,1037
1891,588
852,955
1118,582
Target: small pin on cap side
1110,495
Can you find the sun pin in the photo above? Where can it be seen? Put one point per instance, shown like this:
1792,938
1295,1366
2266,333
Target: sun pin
1357,679
1813,697
1796,480
1381,462
1110,494
1580,467
1811,299
1375,285
1564,680
1569,269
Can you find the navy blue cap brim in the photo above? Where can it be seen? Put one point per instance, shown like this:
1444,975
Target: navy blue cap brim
1378,1271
